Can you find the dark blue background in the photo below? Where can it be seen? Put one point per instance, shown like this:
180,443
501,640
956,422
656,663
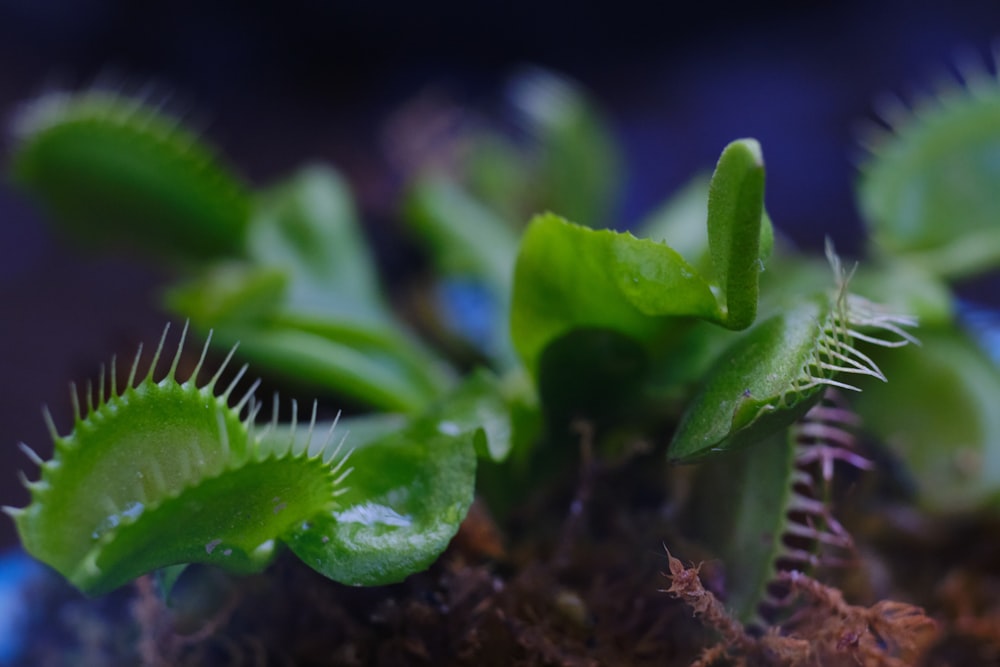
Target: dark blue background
280,84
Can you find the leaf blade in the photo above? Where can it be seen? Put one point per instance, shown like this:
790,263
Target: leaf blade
735,214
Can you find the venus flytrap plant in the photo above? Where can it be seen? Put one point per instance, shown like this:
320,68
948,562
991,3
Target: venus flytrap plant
285,271
135,157
166,472
588,309
306,300
110,505
765,509
770,441
927,191
470,217
571,278
927,194
772,376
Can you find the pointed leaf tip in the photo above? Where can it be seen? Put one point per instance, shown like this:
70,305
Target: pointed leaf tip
736,223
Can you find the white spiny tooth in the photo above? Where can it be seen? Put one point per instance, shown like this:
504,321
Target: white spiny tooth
31,454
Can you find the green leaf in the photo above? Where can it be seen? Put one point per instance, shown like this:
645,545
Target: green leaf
465,238
230,521
899,286
576,370
741,507
409,491
771,375
468,241
578,166
166,472
307,227
496,171
400,512
570,277
735,212
117,172
929,190
759,385
680,222
350,363
939,415
307,303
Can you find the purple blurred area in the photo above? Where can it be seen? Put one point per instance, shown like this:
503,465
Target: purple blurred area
278,84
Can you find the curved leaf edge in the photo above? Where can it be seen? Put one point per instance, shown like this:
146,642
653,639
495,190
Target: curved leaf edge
159,443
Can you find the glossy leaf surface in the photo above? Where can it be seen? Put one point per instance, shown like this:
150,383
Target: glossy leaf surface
410,489
569,277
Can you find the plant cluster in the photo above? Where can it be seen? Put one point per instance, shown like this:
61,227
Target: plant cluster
699,323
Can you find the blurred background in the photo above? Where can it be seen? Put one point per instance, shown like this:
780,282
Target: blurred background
275,86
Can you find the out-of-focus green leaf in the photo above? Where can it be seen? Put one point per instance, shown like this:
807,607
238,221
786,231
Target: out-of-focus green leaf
578,168
307,303
468,242
497,173
117,172
466,239
372,372
939,414
903,287
898,285
307,227
929,190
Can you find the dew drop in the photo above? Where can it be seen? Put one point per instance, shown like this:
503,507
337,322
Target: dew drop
449,428
133,509
264,550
